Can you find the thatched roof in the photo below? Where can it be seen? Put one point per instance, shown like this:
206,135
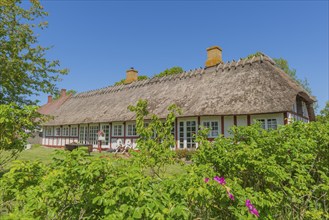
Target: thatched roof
249,86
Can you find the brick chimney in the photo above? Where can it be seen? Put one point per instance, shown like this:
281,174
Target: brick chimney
214,56
63,92
50,99
131,75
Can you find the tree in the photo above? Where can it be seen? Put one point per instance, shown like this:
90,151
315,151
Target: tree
69,92
25,71
139,78
324,114
284,65
171,71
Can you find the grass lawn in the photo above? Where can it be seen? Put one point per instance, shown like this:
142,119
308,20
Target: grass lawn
45,155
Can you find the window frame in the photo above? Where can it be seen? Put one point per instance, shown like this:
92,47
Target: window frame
47,129
65,131
210,121
76,131
131,130
115,130
265,123
55,131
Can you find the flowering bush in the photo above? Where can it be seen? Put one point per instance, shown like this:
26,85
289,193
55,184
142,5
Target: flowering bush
76,186
284,172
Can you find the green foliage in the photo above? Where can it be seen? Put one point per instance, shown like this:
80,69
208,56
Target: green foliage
170,71
257,54
139,78
15,126
284,65
58,94
166,72
184,153
285,169
77,186
156,138
324,114
25,71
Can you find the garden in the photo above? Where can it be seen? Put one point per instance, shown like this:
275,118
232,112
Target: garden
276,174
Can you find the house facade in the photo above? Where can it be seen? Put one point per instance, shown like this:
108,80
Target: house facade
219,96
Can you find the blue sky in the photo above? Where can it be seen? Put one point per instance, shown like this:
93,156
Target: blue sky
99,40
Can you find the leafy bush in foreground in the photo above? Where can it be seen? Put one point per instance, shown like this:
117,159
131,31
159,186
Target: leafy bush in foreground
76,186
286,169
280,174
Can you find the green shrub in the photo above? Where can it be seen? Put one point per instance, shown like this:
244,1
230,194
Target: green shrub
76,186
185,153
286,169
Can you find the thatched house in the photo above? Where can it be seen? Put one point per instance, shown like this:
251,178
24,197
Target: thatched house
219,96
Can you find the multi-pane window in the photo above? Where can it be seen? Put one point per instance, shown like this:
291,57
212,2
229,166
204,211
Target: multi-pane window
117,130
214,128
131,130
106,130
187,131
74,131
271,124
49,131
65,131
57,131
181,134
93,134
268,123
190,134
262,123
83,134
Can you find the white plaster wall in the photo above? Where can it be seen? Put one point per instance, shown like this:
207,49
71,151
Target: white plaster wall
228,123
277,116
241,120
134,145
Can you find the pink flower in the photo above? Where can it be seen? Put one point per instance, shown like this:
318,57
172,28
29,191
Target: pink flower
206,180
231,196
220,180
251,208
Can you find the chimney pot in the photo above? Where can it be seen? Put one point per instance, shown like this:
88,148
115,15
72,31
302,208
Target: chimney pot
63,92
50,99
214,55
131,75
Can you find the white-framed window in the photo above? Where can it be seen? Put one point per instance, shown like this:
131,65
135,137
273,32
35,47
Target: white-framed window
74,131
117,130
187,130
268,123
83,134
131,130
93,134
213,128
57,131
65,131
272,124
106,129
49,131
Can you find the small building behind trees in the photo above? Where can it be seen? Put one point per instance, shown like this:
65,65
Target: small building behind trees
219,96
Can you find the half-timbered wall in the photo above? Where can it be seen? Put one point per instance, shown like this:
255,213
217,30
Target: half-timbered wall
124,133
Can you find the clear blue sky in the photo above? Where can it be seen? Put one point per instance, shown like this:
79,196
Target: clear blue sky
99,40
